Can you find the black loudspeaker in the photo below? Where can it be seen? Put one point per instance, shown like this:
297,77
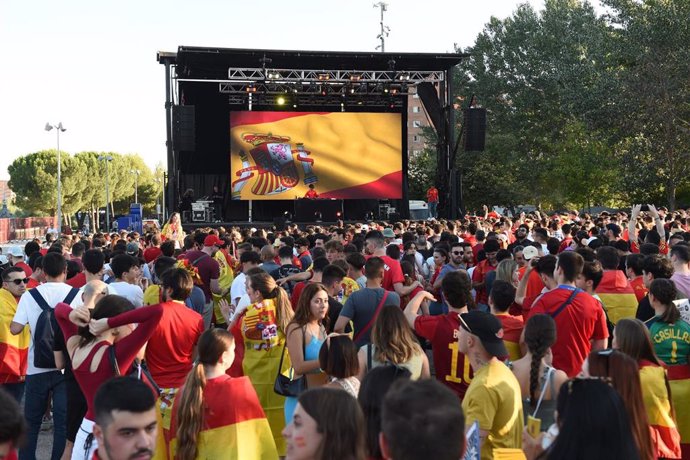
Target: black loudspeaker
429,96
474,128
184,131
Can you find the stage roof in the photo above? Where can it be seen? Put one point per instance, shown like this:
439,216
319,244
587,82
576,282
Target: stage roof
213,63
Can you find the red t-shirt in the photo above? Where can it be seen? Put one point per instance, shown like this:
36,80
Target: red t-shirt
33,283
152,253
578,323
476,247
78,280
311,193
392,273
208,269
432,195
452,367
170,348
479,275
663,247
296,292
638,287
565,244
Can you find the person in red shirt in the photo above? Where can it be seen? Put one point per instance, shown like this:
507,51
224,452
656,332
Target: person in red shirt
393,278
580,319
311,193
432,200
93,261
501,297
208,268
658,237
491,247
567,237
452,367
170,351
15,257
633,268
153,251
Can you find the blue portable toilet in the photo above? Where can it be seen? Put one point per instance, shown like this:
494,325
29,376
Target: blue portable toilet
136,215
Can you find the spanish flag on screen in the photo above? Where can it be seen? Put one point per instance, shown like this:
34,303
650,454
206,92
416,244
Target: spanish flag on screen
235,426
277,155
14,349
617,295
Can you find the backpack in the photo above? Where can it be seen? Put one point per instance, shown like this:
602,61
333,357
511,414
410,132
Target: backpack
44,335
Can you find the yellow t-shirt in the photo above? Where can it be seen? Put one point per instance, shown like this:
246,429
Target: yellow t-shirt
494,400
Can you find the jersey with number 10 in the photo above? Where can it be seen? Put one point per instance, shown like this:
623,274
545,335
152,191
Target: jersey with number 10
452,367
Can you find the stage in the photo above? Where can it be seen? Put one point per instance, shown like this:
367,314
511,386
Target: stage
258,129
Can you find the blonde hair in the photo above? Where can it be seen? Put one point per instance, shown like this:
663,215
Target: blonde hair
392,337
190,409
505,270
269,289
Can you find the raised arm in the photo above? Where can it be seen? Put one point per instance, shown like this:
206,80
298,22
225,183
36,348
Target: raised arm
68,319
414,304
521,291
658,221
632,229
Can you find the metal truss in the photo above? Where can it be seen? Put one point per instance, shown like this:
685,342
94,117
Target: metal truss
342,76
301,100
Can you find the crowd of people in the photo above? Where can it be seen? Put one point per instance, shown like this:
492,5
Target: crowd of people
561,336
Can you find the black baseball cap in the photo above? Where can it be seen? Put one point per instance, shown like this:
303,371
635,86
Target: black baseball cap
489,330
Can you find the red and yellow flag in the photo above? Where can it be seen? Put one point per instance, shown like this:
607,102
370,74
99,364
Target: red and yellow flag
617,295
14,349
661,423
235,426
277,155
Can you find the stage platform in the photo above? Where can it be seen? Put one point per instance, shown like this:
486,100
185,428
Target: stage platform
266,225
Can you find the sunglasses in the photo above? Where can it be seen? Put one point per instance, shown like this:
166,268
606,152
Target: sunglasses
457,253
19,281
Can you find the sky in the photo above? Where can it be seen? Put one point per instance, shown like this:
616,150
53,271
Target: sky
92,64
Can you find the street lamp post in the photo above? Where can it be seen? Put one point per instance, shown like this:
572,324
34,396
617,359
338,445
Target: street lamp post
58,128
136,172
107,159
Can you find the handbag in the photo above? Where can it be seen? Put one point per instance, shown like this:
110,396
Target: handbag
286,385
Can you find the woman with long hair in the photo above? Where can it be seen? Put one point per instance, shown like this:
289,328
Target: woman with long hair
305,335
338,359
592,424
671,344
622,370
215,415
172,230
632,338
92,338
371,393
327,424
539,381
392,342
263,329
507,270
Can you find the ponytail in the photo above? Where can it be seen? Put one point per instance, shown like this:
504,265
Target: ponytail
190,413
284,309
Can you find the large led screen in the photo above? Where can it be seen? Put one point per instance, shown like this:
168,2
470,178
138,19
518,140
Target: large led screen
277,155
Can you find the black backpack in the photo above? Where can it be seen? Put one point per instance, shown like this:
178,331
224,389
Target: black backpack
44,335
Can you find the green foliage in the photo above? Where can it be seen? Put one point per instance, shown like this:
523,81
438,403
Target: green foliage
582,109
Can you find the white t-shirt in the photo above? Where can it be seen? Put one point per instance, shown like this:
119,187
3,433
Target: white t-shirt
238,288
131,292
28,312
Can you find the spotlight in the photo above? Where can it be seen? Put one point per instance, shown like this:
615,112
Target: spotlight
324,76
355,77
404,76
280,100
251,89
324,90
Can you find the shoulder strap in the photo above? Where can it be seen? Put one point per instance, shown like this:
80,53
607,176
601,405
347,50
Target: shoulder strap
558,311
543,390
373,318
196,261
369,359
71,295
113,360
39,299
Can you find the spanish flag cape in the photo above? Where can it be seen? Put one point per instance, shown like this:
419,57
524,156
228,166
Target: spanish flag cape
235,426
14,349
263,347
224,281
617,295
663,428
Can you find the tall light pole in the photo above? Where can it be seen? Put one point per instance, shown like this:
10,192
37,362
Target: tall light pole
107,159
136,184
58,128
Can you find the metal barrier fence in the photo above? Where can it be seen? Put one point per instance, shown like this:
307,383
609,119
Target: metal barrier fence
25,228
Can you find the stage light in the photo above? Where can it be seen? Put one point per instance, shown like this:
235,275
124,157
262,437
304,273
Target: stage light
355,77
324,76
280,100
324,90
338,214
273,75
404,76
251,89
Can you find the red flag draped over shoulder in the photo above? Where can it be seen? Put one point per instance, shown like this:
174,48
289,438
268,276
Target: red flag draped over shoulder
235,426
14,349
